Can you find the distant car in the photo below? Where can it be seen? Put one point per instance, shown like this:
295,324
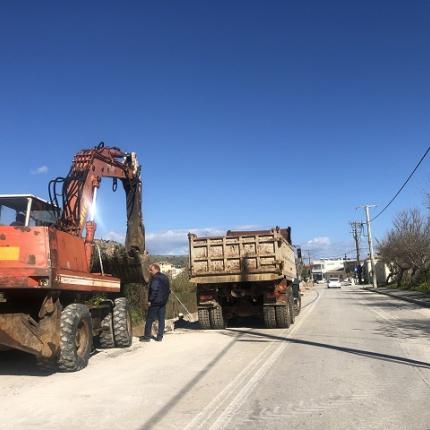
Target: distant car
321,281
333,283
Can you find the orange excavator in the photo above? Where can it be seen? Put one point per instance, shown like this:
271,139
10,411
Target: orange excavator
46,250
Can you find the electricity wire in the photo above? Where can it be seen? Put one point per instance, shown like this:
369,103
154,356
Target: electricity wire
403,186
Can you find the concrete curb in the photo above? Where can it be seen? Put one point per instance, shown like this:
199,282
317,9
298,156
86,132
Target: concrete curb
405,299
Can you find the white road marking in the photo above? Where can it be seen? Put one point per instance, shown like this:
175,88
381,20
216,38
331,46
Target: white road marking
235,393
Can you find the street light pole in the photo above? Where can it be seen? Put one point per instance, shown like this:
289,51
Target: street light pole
369,240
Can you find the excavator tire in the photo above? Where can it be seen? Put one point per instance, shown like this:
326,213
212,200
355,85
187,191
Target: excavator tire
204,319
122,323
106,337
46,365
217,318
283,316
76,338
269,316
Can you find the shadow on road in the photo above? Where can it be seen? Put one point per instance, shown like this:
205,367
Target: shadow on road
364,353
19,363
182,323
246,322
391,304
161,413
405,329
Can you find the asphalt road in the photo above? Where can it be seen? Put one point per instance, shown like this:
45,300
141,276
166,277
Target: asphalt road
352,360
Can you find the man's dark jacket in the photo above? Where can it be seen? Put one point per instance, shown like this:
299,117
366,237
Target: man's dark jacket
159,290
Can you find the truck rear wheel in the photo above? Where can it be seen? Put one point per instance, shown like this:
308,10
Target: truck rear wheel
269,315
217,318
204,319
122,331
76,337
297,305
283,316
291,312
106,337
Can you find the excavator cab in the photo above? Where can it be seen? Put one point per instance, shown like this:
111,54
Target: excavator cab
26,210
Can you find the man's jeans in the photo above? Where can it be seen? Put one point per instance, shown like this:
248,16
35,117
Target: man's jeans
155,312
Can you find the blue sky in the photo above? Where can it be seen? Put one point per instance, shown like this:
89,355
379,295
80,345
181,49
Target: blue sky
244,113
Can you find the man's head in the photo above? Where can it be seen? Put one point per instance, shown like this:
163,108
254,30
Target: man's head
20,219
154,269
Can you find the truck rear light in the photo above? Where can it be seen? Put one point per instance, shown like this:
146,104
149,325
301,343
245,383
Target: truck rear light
43,282
281,288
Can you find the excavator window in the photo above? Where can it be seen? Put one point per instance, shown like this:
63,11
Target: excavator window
29,211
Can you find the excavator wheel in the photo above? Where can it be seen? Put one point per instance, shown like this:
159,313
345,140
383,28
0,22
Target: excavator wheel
106,337
283,316
46,365
76,337
122,331
217,318
269,316
204,319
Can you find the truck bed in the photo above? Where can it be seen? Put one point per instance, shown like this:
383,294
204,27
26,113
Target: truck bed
242,257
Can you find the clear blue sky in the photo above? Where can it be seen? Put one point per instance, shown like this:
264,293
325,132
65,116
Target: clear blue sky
242,112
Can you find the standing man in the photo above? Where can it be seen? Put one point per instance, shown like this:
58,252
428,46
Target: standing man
158,295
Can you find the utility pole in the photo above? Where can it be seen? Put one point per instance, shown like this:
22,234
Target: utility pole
356,233
369,239
309,260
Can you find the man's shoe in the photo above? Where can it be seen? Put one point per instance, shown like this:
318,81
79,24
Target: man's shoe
145,339
158,339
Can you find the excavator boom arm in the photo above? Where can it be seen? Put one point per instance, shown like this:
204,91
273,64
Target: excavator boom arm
79,190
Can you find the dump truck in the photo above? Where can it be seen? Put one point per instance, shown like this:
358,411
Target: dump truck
51,304
244,273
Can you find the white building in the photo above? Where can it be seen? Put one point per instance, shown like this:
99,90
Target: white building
326,265
381,269
170,270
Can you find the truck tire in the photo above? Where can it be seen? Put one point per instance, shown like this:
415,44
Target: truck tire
291,311
283,318
204,319
217,318
269,315
76,337
122,331
106,337
297,305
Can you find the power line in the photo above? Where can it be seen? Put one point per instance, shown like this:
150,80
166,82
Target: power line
339,256
403,186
